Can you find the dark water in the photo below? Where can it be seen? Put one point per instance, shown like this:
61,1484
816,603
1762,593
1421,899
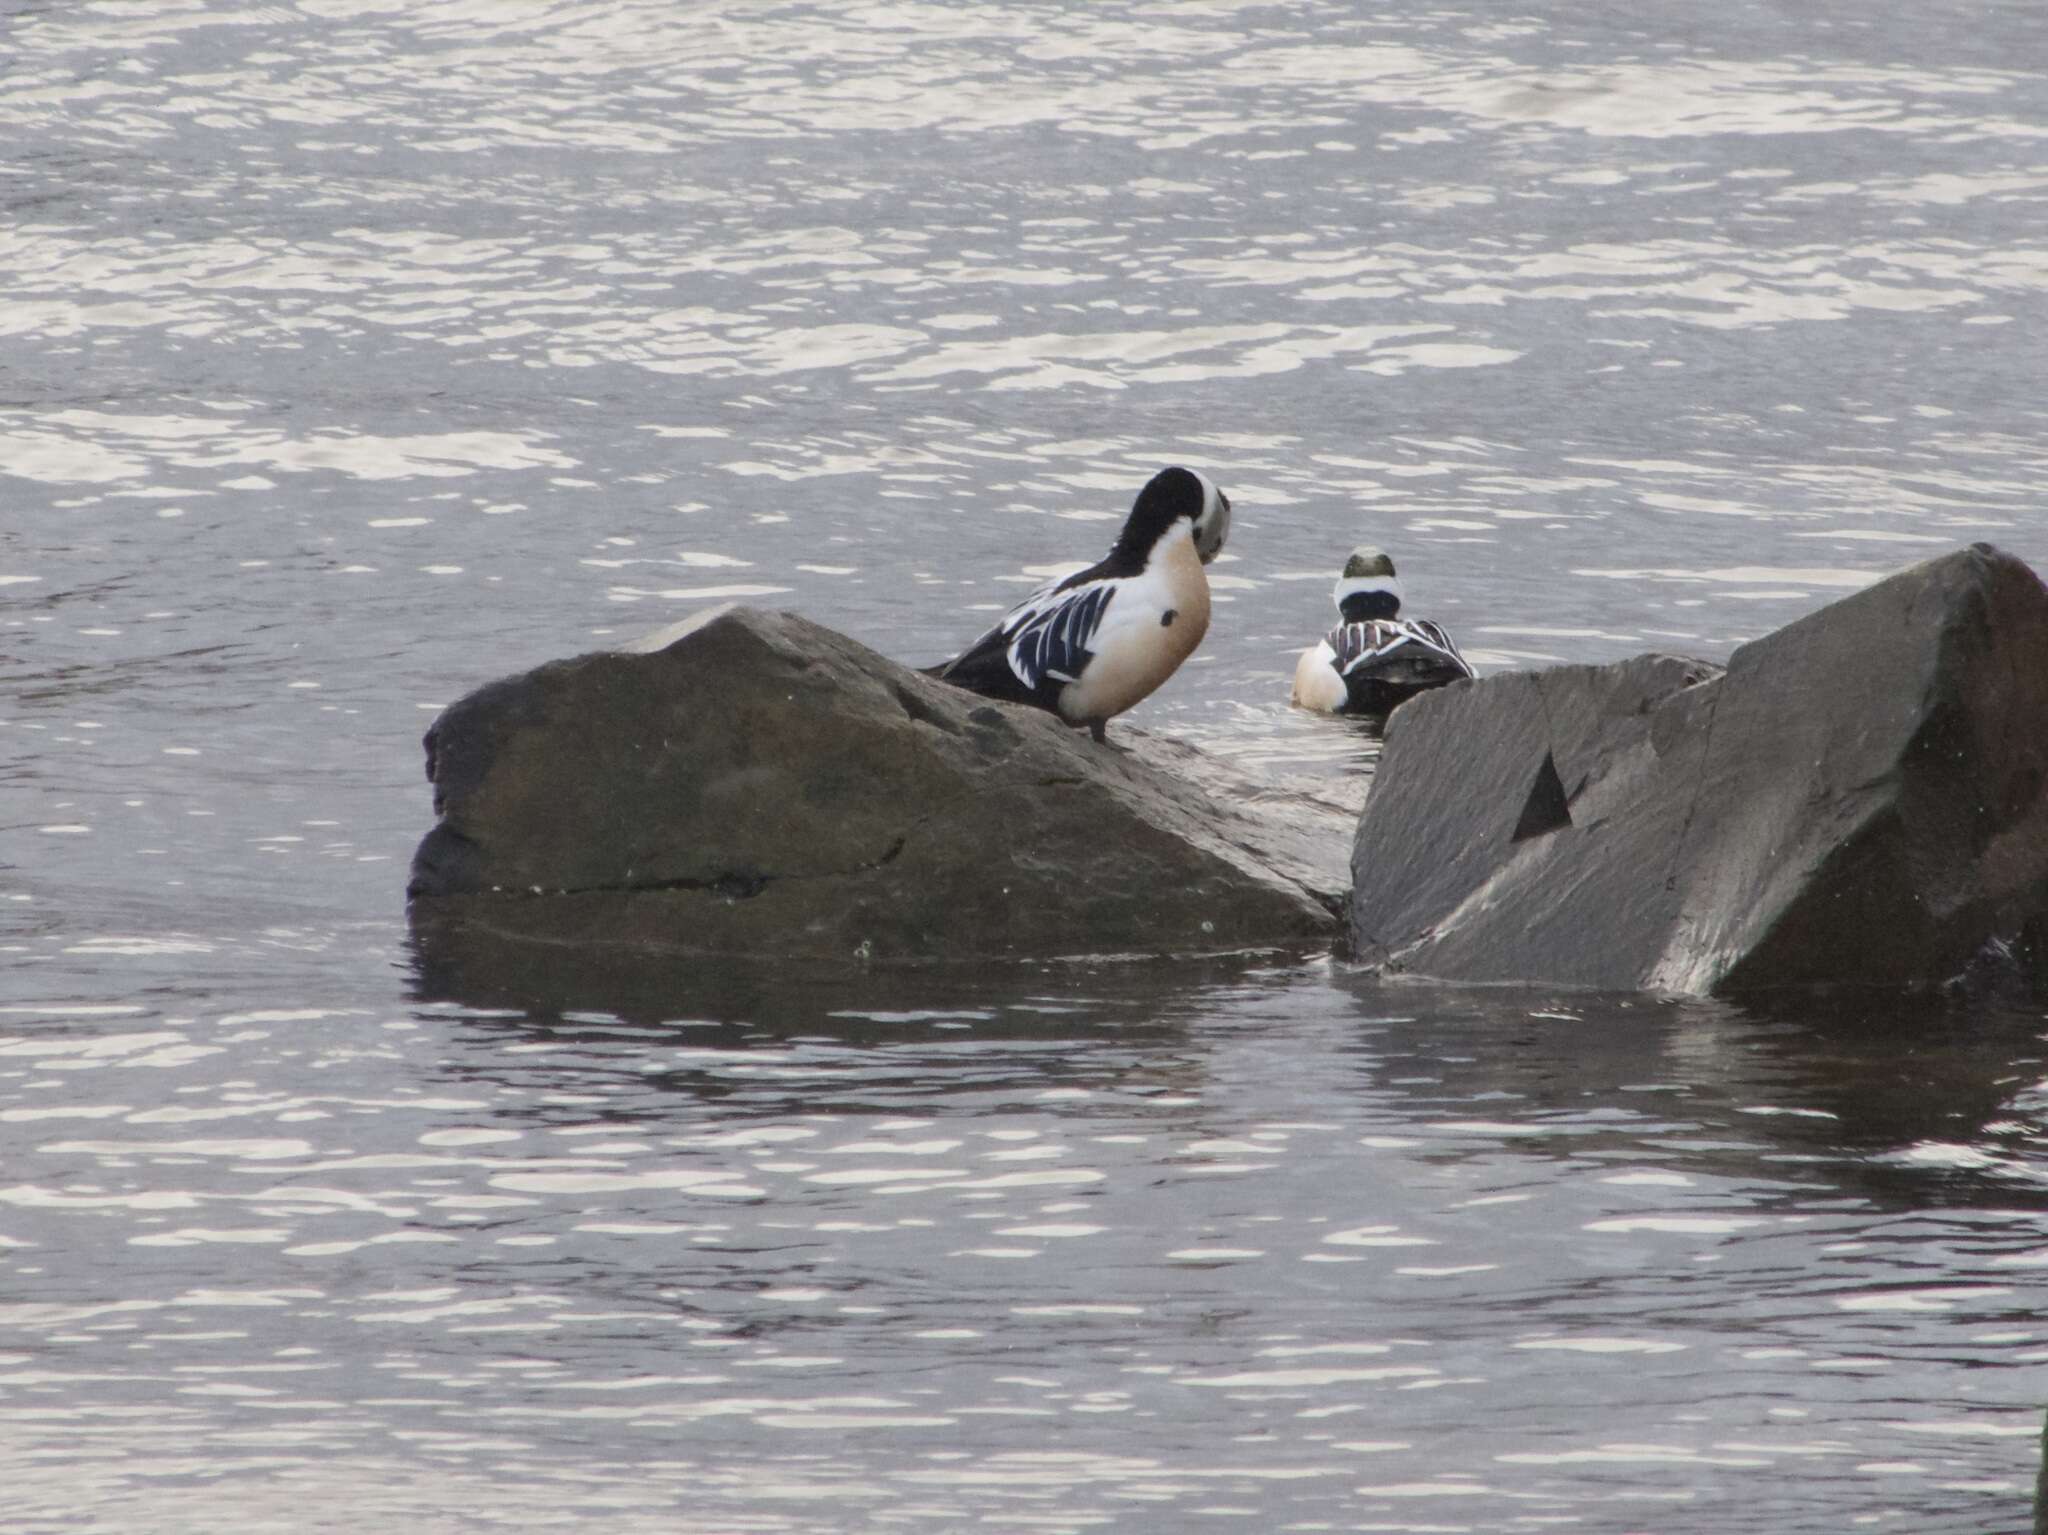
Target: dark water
353,353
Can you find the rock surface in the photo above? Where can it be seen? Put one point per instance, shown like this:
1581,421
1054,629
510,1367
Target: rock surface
752,783
1858,800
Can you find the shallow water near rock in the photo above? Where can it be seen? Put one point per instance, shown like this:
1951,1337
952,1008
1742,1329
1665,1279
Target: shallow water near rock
356,355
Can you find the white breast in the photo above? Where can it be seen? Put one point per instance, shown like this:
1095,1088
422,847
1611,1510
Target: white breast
1134,650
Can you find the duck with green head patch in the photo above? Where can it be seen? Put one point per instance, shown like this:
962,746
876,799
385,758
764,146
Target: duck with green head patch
1374,659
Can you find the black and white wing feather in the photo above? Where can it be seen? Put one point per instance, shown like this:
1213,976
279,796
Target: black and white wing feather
1040,646
1051,640
1397,645
1385,660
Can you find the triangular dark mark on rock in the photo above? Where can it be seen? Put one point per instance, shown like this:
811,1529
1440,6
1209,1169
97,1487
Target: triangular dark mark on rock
1546,809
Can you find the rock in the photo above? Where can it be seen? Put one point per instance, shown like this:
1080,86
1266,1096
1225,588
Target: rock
1857,800
752,783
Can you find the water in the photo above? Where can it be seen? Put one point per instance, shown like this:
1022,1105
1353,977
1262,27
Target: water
352,354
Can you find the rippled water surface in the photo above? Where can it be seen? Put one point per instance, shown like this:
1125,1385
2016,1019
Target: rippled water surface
355,352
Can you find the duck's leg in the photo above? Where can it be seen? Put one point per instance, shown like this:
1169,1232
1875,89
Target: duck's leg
1099,730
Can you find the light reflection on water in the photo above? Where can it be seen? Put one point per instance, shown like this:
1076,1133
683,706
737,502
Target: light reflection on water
357,355
1282,1242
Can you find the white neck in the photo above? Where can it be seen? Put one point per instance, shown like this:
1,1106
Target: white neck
1358,586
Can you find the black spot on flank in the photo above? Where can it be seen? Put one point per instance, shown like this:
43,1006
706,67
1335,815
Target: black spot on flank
1546,810
1166,619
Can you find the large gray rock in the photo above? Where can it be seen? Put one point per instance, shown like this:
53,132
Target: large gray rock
752,783
1857,800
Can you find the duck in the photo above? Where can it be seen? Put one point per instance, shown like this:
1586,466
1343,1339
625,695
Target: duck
1374,659
1091,645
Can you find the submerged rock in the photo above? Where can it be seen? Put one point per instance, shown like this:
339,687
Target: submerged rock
753,783
1858,800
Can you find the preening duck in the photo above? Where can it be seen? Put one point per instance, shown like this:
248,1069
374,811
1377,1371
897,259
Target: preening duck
1374,659
1091,645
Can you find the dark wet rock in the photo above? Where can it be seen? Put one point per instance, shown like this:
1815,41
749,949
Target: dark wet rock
1858,800
752,783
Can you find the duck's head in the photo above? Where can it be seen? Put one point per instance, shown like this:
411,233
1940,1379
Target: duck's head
1169,496
1368,587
